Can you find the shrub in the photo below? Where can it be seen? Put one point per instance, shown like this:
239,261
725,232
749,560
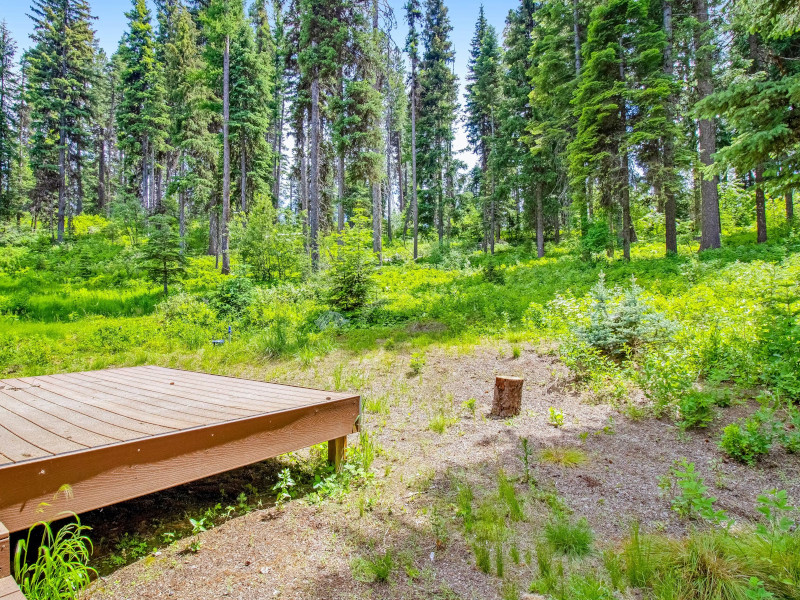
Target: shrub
746,442
692,500
695,409
232,297
620,322
352,261
574,539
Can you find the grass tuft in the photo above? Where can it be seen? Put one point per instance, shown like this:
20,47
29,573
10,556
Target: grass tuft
563,456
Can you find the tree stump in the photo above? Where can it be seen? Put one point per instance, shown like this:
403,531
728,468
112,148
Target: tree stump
507,396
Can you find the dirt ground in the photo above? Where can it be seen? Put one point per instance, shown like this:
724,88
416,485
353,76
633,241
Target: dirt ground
318,551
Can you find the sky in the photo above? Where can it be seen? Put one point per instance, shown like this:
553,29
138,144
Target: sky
111,24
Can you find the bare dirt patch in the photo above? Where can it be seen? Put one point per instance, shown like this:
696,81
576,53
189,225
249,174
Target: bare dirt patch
408,510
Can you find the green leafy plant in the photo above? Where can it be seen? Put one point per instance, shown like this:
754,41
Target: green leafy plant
284,487
417,362
695,410
555,417
352,262
469,405
746,442
59,569
692,500
525,458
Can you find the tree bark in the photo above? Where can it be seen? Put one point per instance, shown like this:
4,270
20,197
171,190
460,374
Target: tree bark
539,221
507,400
313,198
576,34
243,176
711,234
668,185
401,195
761,207
226,155
414,199
62,180
625,195
789,206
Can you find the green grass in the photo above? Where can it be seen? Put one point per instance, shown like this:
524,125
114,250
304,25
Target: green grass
567,537
563,456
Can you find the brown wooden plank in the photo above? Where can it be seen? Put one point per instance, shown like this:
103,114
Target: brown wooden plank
223,395
148,411
142,391
9,589
35,435
69,401
5,555
84,421
103,476
52,424
289,391
17,449
227,404
242,388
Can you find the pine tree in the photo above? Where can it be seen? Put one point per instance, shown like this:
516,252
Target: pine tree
438,109
601,148
141,115
704,49
162,258
194,150
60,70
222,20
413,17
553,77
483,100
8,122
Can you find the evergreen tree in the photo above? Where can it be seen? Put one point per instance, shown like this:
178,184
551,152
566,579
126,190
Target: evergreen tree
438,110
193,146
60,71
8,135
413,17
162,258
141,116
483,100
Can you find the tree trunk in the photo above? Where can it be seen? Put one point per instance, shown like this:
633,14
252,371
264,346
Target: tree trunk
78,180
668,155
213,242
242,176
401,195
711,234
313,198
226,155
576,34
625,195
414,200
761,207
276,190
507,400
101,174
62,180
539,221
789,206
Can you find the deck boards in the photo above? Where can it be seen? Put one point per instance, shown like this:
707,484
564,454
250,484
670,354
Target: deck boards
119,433
9,589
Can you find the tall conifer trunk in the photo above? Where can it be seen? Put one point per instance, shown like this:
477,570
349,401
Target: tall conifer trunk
668,150
313,200
710,235
789,206
414,199
539,221
226,154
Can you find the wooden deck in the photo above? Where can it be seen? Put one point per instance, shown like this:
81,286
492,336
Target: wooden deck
79,441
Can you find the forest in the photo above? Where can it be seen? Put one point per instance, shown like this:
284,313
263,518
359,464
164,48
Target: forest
275,190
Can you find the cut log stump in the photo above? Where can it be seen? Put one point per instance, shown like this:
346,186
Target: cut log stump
507,396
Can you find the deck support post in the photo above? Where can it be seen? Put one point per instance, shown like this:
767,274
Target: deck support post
5,552
336,452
